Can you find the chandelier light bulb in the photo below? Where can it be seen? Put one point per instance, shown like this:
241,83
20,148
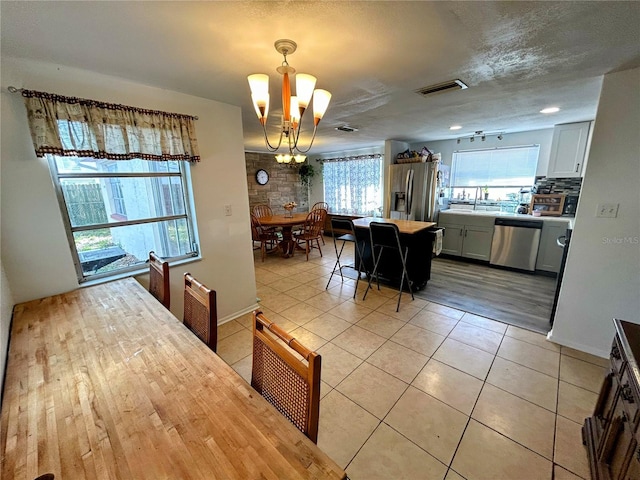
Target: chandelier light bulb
293,106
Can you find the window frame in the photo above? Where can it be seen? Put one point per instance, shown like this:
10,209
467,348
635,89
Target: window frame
188,216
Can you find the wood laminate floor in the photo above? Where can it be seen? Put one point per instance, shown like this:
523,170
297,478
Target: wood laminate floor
516,298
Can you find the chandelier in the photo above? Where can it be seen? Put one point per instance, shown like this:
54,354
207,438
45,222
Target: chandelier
293,107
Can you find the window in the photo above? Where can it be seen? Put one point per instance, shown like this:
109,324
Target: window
353,186
118,211
502,172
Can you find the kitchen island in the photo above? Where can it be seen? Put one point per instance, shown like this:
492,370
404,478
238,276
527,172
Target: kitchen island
418,237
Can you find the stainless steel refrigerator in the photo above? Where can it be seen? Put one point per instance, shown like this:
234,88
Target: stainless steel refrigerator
415,190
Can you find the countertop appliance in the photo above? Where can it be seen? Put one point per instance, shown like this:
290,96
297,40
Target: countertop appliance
563,241
415,189
515,243
570,205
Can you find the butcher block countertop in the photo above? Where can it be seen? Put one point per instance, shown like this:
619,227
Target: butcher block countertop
405,226
105,383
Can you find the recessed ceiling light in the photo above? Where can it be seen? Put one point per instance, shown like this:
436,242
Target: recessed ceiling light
550,110
455,127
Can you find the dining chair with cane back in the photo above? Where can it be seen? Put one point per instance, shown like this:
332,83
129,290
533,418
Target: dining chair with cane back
159,279
262,235
311,231
385,237
200,311
321,206
292,386
349,237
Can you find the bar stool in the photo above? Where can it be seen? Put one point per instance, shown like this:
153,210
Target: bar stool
345,224
386,236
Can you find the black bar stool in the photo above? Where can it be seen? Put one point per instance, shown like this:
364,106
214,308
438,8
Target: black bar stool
345,224
386,236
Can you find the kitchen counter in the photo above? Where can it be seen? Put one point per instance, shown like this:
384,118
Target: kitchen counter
515,216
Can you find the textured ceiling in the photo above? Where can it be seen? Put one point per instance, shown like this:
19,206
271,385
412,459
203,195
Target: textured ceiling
516,57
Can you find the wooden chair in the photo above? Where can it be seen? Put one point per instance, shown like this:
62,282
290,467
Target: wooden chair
385,237
289,384
321,206
262,235
159,280
264,210
311,230
200,311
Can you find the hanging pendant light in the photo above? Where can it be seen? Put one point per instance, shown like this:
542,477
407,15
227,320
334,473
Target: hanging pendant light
293,107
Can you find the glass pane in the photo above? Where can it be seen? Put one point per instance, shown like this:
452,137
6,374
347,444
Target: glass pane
91,201
505,167
110,249
93,165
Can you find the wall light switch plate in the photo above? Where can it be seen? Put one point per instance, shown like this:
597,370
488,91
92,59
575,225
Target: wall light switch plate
607,210
227,210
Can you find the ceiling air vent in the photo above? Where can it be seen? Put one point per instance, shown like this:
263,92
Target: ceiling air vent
346,128
442,87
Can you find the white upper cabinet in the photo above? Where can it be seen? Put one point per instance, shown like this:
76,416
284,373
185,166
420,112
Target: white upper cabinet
568,150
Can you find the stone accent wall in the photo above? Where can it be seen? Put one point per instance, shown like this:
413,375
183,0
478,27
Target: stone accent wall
283,186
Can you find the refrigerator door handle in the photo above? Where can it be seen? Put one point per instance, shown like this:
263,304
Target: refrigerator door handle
409,193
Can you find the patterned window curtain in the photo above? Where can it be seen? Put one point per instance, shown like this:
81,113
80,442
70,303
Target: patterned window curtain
69,126
353,185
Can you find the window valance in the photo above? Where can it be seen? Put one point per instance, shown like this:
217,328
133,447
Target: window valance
69,126
351,157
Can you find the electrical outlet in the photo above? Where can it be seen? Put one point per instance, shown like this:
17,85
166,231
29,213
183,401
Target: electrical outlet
227,210
607,210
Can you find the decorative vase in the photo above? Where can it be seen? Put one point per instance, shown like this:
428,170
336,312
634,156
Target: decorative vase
288,212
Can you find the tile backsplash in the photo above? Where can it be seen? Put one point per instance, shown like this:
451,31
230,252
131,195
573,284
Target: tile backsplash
569,186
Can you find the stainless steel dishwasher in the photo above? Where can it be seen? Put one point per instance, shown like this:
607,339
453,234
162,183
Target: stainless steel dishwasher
515,243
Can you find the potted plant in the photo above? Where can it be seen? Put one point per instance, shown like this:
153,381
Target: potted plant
306,172
485,190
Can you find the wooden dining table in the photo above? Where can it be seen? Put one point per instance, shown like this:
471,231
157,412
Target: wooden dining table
105,383
288,245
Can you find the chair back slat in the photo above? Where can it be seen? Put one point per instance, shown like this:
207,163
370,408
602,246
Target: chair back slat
262,210
200,311
292,387
159,285
320,206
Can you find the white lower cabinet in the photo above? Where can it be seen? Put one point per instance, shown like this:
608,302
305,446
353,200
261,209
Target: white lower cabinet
477,242
549,253
467,236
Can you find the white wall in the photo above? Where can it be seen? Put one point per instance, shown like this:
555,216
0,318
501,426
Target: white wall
540,137
6,308
602,277
35,251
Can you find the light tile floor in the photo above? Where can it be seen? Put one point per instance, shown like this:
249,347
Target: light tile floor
430,392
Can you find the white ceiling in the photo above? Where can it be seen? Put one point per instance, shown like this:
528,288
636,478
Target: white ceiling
516,57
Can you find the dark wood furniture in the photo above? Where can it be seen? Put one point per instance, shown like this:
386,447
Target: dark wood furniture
201,311
416,236
159,280
287,244
105,382
292,386
612,434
